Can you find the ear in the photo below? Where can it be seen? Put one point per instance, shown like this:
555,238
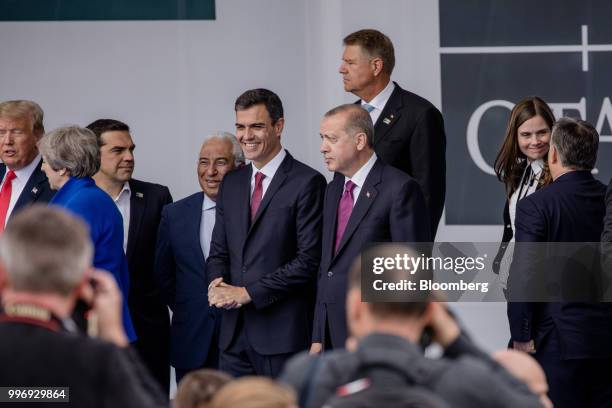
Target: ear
553,155
361,140
377,65
279,125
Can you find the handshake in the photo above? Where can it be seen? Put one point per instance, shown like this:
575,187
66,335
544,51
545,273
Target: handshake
224,296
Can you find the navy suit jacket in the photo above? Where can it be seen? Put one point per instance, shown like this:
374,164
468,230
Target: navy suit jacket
571,209
181,272
275,257
390,208
409,135
37,189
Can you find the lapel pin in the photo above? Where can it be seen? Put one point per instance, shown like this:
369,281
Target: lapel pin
386,121
139,194
368,194
35,190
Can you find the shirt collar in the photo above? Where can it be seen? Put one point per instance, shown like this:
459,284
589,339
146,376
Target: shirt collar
269,170
125,191
23,174
380,100
208,203
537,166
360,176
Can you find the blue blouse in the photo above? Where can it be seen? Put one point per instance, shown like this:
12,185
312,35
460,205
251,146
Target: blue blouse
83,198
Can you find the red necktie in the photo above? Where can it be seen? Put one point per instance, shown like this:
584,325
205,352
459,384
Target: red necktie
345,208
257,194
5,197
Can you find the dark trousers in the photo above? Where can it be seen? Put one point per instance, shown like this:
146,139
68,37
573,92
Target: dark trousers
584,383
212,362
240,359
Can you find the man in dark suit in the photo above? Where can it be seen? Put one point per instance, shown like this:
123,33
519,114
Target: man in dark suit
140,204
408,130
46,265
183,244
266,245
606,235
570,340
22,180
371,202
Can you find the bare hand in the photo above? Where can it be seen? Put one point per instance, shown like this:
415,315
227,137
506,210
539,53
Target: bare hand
445,328
106,302
315,348
527,346
227,296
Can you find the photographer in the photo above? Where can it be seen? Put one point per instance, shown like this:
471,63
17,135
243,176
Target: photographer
45,266
387,355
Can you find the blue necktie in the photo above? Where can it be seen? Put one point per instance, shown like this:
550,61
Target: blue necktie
368,107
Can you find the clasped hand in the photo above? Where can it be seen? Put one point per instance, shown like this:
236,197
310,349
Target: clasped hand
225,296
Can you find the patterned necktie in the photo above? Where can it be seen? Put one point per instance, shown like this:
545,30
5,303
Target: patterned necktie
257,194
345,208
5,197
368,107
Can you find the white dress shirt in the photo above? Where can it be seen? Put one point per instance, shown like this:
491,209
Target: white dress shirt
207,224
360,177
19,182
269,170
123,204
526,187
379,101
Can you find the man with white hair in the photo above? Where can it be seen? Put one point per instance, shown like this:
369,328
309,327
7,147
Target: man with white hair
182,248
46,257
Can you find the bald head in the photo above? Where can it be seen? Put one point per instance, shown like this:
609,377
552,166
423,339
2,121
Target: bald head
524,367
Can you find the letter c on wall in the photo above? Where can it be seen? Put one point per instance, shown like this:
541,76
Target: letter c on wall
472,133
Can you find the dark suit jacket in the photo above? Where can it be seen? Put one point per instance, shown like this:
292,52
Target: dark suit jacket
276,257
37,190
149,312
98,373
181,271
146,203
390,208
606,235
409,134
571,209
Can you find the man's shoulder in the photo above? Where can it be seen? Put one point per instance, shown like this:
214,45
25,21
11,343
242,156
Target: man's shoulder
148,187
23,336
415,102
179,206
301,169
397,179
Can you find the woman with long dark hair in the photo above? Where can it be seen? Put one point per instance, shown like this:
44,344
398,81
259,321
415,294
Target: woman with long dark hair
521,165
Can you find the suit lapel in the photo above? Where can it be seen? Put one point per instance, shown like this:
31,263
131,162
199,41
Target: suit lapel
366,197
137,210
277,181
333,195
192,226
389,116
245,201
32,189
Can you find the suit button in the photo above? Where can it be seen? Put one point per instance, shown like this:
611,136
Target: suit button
330,274
244,269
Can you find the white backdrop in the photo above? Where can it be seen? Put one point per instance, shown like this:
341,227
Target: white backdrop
174,82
